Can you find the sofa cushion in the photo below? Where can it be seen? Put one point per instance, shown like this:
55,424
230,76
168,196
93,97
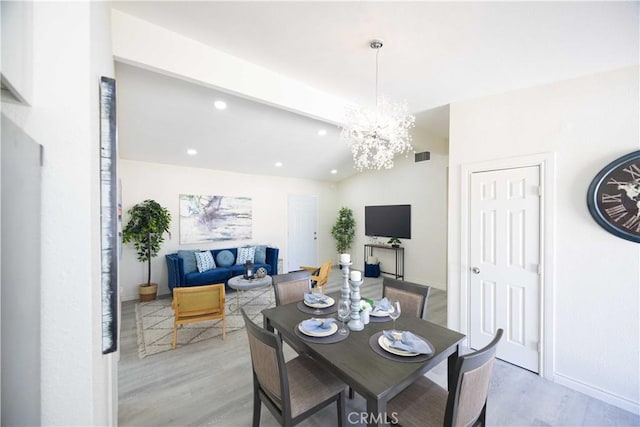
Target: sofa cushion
188,261
260,255
204,261
225,258
245,254
216,275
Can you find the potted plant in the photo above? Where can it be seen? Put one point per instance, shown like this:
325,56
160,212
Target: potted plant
146,227
394,242
344,230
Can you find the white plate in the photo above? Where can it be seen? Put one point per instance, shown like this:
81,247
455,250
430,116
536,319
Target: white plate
379,313
386,345
329,303
332,330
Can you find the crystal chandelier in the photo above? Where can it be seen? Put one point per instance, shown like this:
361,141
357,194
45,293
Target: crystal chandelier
377,136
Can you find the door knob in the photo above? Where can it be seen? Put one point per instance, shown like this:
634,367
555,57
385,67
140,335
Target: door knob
475,270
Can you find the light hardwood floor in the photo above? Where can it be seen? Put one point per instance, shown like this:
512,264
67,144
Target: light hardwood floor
209,384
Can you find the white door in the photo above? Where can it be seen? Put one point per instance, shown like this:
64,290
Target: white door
303,233
505,262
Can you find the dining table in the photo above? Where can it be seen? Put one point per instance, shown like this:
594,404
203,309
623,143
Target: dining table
376,378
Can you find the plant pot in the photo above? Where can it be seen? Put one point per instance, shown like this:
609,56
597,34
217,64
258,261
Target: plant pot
147,293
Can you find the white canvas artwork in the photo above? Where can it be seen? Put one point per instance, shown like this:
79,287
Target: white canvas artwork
212,218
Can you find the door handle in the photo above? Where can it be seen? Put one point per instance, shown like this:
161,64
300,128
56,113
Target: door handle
475,270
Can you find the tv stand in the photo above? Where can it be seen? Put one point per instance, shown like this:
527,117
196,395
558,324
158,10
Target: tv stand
399,252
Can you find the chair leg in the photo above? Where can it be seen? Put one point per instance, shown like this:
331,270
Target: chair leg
342,407
224,328
175,335
257,404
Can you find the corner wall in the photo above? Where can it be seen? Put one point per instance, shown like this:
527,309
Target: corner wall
269,197
423,185
587,123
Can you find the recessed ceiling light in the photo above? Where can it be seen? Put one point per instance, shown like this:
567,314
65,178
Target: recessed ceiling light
220,105
322,132
191,152
278,164
334,171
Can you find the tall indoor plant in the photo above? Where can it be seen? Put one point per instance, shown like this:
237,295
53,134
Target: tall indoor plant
146,227
344,230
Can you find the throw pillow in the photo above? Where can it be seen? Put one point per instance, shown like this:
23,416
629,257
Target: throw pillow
205,261
188,261
261,255
224,258
245,254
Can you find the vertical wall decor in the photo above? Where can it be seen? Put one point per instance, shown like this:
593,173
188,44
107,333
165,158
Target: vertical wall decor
212,218
108,215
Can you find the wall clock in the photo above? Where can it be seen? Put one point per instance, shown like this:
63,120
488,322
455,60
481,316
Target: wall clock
613,197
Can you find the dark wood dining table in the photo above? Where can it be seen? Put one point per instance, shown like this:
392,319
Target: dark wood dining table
376,378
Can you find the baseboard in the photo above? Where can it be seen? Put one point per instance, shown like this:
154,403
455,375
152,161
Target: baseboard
597,393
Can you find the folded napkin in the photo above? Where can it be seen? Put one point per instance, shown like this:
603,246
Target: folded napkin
408,342
382,305
313,299
318,325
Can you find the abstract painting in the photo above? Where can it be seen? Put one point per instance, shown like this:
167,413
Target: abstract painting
206,219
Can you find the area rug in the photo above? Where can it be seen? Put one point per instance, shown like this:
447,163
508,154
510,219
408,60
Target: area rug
154,320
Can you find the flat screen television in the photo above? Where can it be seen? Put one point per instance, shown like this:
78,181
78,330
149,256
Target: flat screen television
388,221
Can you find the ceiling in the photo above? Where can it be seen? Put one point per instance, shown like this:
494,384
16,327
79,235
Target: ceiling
435,54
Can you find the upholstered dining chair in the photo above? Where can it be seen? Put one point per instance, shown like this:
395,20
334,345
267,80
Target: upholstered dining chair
319,275
424,403
290,287
413,297
197,304
294,390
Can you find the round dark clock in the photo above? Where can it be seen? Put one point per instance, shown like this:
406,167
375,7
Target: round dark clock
613,197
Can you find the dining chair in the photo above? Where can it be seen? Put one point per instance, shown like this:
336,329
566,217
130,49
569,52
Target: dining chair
197,304
290,287
413,297
319,275
424,403
293,390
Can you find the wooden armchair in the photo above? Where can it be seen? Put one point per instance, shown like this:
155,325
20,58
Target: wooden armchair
319,275
197,304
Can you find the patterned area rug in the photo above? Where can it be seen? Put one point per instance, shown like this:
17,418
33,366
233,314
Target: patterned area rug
155,321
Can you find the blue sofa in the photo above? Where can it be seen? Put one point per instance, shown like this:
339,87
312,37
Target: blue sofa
178,277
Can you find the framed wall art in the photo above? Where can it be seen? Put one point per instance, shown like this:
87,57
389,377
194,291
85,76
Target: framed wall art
205,219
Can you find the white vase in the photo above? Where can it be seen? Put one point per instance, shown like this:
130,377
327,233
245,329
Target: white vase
364,316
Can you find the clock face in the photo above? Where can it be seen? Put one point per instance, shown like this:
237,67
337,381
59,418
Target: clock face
613,197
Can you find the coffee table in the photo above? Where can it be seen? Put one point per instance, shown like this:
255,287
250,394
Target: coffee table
239,283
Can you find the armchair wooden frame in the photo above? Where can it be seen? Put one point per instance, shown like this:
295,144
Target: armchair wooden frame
197,304
319,275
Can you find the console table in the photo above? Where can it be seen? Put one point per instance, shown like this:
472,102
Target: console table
399,252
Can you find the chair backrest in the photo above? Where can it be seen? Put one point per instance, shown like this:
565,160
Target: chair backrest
269,368
467,400
290,287
413,297
323,273
199,301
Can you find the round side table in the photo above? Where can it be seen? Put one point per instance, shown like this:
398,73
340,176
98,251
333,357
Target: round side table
239,283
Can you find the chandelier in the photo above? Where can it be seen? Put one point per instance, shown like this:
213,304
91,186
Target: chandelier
377,135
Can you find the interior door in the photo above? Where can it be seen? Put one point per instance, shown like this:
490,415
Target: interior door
303,233
505,262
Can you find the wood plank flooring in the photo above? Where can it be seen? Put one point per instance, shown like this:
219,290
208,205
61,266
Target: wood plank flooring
209,384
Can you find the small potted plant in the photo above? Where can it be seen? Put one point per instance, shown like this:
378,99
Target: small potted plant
146,227
394,242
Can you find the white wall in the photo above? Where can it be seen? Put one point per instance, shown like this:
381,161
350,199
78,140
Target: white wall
423,185
587,123
71,49
164,183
